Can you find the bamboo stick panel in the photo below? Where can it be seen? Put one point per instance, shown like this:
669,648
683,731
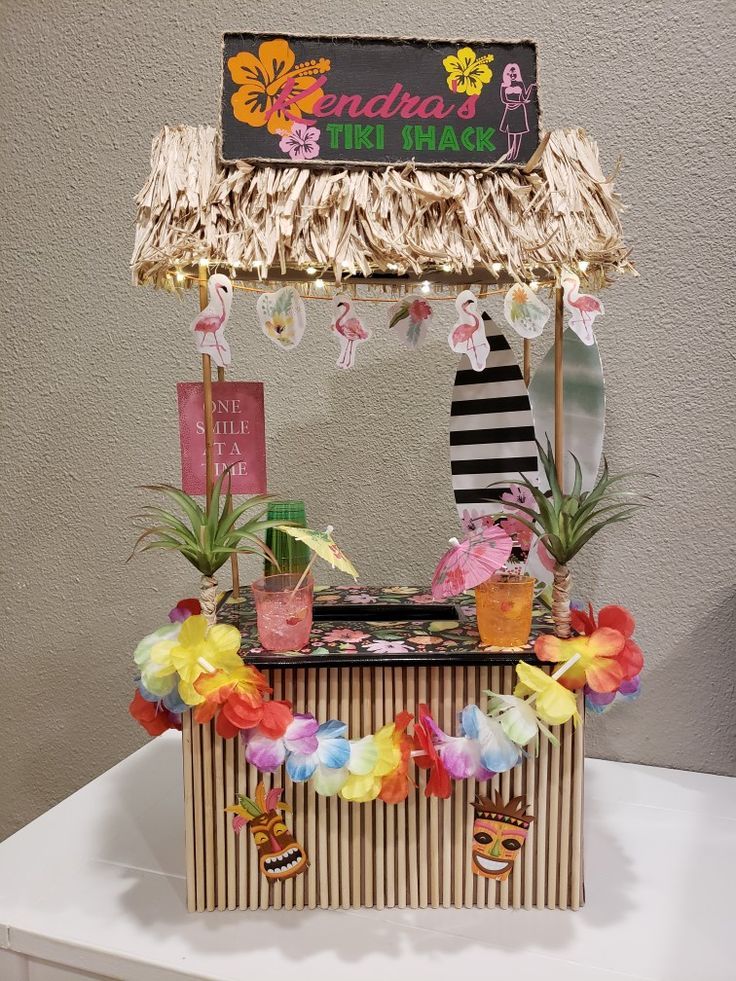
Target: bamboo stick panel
415,854
189,841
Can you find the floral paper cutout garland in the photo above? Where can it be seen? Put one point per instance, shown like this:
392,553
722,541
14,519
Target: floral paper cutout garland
282,317
524,311
411,318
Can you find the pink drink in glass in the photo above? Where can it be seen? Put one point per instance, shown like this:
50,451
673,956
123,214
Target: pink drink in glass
284,616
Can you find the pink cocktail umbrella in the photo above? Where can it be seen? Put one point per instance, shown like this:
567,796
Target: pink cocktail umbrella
471,562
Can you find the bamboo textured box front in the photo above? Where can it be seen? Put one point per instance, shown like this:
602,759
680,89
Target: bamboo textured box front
414,854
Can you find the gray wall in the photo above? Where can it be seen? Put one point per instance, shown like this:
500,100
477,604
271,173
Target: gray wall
89,364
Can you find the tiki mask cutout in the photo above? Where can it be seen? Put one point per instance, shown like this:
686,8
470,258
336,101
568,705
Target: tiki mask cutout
499,833
280,856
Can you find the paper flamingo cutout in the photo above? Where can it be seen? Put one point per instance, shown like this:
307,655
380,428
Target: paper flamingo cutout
349,330
468,335
209,326
524,311
582,307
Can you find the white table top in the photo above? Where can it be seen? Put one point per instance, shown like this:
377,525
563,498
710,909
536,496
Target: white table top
97,884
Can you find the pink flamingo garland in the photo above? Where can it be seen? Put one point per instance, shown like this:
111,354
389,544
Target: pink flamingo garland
348,329
468,335
209,326
582,307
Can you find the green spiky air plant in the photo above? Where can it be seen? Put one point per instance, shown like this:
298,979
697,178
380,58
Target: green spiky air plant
564,523
208,536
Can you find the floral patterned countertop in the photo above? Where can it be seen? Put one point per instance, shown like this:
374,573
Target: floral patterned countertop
355,625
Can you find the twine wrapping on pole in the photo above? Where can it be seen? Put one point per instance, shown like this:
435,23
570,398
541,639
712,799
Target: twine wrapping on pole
561,601
208,598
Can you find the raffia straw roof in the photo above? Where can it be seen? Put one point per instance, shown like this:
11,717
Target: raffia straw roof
278,220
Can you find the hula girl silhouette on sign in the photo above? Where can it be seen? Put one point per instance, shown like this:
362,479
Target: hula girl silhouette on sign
515,97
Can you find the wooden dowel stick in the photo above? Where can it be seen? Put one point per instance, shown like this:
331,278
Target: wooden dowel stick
527,361
209,462
234,568
559,388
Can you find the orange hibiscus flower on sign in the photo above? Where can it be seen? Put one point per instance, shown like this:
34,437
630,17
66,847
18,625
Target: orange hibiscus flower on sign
274,91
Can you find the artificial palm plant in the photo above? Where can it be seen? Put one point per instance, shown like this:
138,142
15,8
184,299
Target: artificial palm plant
208,536
564,523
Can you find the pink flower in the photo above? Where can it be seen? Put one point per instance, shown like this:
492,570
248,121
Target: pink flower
335,636
389,647
419,310
359,598
518,494
422,598
302,143
473,521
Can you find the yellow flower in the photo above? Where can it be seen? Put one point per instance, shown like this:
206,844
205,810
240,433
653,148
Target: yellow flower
198,649
363,787
279,327
466,73
555,705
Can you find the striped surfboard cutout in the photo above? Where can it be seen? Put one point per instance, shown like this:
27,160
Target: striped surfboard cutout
491,428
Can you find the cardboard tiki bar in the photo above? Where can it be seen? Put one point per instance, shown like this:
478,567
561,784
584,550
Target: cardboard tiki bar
365,744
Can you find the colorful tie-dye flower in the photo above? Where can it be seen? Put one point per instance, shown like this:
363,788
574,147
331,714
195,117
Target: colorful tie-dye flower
332,752
599,665
184,609
197,648
267,753
153,716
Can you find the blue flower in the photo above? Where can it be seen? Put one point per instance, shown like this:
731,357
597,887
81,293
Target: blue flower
333,752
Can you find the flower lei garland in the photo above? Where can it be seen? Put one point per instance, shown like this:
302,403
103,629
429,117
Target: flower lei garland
188,665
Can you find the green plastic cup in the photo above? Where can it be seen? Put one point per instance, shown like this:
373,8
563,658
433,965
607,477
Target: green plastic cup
293,556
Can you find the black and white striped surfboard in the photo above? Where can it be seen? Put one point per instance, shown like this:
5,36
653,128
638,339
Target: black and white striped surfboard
491,428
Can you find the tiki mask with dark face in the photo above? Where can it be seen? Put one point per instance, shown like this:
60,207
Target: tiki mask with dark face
499,833
280,856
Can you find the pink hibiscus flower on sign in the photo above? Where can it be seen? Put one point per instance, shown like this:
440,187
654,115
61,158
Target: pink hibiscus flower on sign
302,143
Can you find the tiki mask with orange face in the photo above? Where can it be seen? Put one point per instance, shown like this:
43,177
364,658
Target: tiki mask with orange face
280,856
499,833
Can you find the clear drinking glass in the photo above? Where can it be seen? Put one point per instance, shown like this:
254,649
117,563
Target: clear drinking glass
284,616
504,611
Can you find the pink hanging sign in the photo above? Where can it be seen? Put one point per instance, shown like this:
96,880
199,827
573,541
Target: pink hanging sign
239,435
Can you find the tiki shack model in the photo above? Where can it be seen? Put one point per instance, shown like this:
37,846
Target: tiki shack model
391,746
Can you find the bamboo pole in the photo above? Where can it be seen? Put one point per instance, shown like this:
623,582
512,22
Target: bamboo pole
234,568
332,803
209,422
189,804
209,463
559,388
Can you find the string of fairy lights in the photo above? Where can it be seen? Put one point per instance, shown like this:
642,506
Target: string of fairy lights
320,290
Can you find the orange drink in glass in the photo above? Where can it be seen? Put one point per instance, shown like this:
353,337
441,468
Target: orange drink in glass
504,610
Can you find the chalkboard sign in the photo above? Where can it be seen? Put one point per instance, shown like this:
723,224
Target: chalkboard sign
313,101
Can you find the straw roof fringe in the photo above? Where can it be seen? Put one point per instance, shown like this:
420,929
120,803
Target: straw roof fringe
363,221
